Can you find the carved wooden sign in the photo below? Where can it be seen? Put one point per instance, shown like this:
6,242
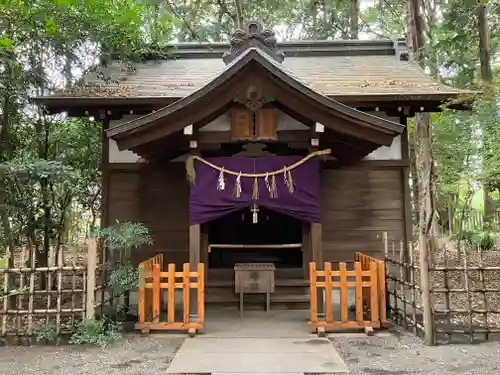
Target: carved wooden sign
241,124
244,127
266,123
254,278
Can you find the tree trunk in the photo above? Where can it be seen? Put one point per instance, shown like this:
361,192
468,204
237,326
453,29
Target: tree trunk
354,19
424,168
423,136
413,175
484,44
487,77
239,14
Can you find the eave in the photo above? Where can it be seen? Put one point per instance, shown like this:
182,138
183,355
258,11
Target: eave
119,106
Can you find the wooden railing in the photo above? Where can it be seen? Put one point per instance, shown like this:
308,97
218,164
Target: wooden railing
366,261
153,281
367,279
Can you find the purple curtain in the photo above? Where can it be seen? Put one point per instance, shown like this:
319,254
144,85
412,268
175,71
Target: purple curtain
206,203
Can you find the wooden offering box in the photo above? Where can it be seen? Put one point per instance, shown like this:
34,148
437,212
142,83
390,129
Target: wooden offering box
253,278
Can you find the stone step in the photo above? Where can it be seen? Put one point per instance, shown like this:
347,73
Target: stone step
281,298
228,273
278,282
279,292
258,301
288,294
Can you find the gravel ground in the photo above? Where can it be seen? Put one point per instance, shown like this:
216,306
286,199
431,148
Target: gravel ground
403,354
385,354
134,355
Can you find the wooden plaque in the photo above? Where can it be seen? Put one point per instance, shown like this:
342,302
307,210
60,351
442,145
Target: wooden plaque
266,124
241,124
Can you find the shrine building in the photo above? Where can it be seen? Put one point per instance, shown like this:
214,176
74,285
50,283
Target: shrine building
258,151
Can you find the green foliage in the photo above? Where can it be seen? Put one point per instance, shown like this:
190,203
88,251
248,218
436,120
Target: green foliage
54,162
484,240
487,113
46,333
384,19
123,277
28,199
124,313
102,333
125,236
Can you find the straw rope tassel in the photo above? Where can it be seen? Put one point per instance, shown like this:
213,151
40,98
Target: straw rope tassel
274,189
291,189
268,186
255,192
237,187
190,170
221,184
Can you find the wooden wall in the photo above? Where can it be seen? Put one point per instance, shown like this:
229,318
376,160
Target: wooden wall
359,203
158,197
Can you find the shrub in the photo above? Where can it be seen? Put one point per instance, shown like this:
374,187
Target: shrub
122,238
485,240
45,332
102,333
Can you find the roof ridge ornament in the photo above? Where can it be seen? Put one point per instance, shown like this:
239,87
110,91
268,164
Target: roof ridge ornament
253,36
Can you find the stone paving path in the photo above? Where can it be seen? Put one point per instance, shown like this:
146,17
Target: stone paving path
261,343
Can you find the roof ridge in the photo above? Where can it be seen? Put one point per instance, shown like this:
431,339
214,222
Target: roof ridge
298,42
296,48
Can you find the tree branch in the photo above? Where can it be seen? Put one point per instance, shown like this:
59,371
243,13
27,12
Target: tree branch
194,35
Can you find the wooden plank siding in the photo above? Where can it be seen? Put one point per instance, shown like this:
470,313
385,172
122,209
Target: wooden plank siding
359,204
158,197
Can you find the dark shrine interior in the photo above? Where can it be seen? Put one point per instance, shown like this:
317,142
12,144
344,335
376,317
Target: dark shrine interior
272,228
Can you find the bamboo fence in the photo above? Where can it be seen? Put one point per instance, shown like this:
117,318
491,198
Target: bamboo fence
464,286
53,297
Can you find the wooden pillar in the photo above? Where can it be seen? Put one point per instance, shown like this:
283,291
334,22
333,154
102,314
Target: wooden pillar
204,252
107,254
407,206
306,248
317,256
194,260
194,233
405,180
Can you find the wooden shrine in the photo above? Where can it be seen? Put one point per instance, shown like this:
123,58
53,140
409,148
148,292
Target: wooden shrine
208,105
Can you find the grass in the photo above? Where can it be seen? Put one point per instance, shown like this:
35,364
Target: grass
3,262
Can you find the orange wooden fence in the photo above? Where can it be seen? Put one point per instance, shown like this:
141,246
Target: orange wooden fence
153,281
367,281
366,261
